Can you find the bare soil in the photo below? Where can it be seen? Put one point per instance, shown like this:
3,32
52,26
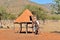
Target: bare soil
9,34
48,31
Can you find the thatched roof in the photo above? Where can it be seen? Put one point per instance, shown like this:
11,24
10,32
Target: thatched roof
24,17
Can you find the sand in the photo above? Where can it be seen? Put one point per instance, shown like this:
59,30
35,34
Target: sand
9,34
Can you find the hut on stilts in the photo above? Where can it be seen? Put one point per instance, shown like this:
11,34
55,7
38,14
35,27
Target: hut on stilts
25,17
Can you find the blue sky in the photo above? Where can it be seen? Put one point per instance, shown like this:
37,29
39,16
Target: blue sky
42,1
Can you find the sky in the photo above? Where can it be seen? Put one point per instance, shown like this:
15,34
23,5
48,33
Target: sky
42,1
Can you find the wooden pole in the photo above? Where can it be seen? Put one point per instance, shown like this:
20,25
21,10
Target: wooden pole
26,28
20,27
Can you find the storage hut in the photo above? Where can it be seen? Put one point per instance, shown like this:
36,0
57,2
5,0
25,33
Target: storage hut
25,17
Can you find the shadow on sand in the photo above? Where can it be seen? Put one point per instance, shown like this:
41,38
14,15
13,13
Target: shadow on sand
55,32
23,32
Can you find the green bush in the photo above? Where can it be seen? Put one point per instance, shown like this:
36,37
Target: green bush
54,17
39,12
6,16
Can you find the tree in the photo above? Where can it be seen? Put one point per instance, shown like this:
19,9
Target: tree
57,6
39,12
0,16
6,16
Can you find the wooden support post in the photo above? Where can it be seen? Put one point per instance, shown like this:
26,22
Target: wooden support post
20,27
32,29
26,28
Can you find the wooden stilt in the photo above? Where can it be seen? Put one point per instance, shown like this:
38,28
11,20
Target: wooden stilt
20,27
26,28
32,29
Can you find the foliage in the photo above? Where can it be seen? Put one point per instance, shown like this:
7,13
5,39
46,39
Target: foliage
4,15
41,14
54,17
37,11
56,7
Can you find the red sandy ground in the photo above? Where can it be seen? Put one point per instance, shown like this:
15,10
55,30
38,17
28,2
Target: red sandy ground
12,35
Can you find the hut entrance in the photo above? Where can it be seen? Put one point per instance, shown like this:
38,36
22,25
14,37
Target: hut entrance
30,18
